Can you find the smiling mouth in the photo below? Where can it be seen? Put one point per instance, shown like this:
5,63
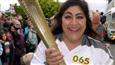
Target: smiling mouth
74,29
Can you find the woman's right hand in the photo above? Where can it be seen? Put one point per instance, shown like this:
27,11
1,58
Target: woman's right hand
53,57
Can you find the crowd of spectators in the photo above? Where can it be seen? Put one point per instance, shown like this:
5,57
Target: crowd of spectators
16,38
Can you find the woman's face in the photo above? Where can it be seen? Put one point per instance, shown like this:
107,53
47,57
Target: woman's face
29,23
4,37
73,23
95,21
17,24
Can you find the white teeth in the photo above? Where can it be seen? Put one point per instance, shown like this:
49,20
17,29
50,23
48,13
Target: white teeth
74,29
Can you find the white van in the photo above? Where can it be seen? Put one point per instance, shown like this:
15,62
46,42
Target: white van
110,23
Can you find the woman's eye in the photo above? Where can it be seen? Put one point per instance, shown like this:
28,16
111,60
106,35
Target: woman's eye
67,17
79,17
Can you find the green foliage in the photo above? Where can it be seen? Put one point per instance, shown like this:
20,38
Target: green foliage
19,10
9,14
49,7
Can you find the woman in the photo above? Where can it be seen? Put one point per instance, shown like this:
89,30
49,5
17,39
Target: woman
7,56
76,47
98,27
19,43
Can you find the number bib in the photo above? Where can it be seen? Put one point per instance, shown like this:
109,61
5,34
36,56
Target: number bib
81,60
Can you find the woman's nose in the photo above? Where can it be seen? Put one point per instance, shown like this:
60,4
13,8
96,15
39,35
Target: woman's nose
74,21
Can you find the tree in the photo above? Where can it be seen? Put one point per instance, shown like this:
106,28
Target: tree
49,7
19,10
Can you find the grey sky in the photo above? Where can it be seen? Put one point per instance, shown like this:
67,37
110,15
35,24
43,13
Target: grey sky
100,5
4,4
93,4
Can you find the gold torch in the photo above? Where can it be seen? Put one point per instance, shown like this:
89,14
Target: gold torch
33,10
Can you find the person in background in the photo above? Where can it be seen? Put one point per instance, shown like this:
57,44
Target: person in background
22,21
74,42
26,59
103,18
1,52
31,37
19,44
99,29
7,56
2,21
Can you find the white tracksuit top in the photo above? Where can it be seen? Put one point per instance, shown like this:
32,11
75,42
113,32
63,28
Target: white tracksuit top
81,55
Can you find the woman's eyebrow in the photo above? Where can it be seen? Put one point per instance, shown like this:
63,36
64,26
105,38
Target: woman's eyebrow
77,14
68,13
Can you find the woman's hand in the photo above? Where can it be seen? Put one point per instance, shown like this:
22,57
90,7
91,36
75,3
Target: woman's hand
53,57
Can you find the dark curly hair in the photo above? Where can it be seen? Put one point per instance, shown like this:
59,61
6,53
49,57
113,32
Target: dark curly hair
58,18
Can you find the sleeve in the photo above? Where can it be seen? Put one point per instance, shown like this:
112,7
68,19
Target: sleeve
104,58
108,60
39,55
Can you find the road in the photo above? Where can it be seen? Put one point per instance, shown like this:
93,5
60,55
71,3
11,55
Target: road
112,49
